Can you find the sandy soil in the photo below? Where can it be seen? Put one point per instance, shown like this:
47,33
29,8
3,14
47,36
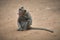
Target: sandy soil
45,14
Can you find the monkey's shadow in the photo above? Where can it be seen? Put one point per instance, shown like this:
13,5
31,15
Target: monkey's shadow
41,29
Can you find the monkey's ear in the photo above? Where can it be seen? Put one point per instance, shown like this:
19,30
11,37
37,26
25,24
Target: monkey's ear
24,10
19,9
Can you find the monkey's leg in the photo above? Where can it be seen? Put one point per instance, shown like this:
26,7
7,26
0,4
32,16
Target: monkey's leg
24,25
19,27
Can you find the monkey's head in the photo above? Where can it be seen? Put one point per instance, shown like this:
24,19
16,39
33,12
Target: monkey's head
21,12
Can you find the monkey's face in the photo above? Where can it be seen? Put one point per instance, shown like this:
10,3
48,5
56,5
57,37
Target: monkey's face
20,13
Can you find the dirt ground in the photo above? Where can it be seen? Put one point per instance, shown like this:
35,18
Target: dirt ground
45,14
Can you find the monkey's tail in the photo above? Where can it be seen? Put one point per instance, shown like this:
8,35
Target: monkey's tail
41,29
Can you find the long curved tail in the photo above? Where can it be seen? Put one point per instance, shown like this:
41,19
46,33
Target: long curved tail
42,29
